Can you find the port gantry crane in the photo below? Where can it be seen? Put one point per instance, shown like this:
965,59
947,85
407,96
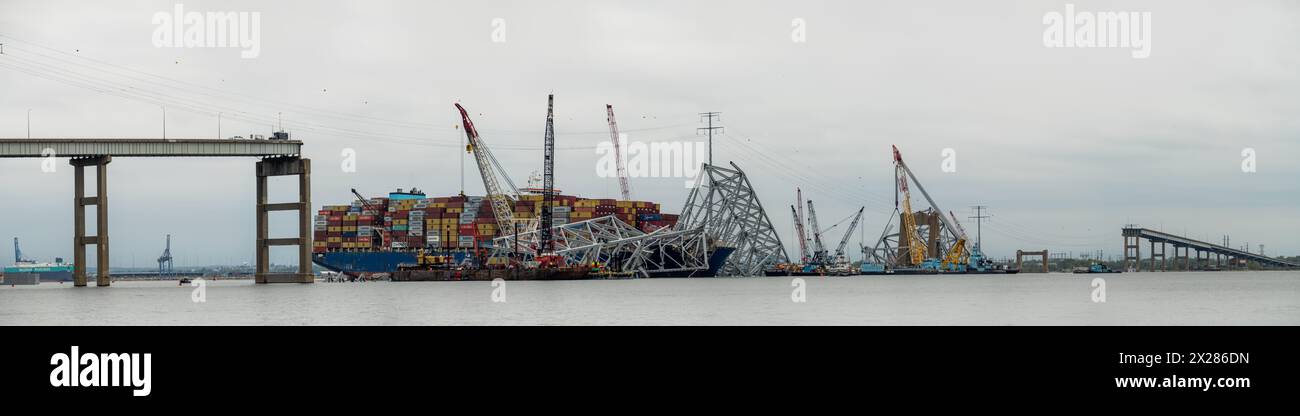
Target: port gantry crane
166,258
502,203
618,153
18,253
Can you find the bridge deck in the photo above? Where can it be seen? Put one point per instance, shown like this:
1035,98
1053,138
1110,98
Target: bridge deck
68,147
1160,237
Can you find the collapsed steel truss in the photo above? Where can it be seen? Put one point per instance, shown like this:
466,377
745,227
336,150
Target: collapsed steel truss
618,246
724,204
721,211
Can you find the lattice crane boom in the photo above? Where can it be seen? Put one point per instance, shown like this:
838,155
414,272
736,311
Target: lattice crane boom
839,250
957,254
548,179
819,250
915,248
799,221
799,232
501,203
618,153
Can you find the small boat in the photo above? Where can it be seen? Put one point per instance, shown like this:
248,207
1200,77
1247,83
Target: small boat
1095,268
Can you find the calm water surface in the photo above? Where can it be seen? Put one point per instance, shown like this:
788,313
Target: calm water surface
1204,298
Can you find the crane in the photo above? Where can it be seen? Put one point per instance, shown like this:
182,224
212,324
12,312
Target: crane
618,156
957,256
819,250
166,258
377,231
798,230
548,179
502,203
902,166
839,251
799,225
18,254
915,248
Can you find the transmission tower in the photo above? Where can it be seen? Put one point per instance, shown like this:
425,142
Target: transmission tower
710,117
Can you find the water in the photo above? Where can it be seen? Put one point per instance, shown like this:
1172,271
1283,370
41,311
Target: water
1198,298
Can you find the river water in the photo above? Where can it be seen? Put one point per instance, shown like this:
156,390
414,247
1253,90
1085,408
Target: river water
1195,298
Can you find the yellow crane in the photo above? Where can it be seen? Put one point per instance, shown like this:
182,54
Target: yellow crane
915,246
957,255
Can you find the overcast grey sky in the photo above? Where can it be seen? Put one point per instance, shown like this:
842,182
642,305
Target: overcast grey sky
1065,145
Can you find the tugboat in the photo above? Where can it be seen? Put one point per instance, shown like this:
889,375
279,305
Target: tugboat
1095,268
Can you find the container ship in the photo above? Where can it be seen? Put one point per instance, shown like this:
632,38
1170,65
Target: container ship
374,236
29,272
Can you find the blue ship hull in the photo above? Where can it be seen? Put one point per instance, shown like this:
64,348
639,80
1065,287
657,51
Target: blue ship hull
357,262
354,263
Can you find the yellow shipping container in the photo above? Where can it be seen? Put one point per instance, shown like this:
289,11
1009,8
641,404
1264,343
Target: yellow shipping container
320,244
333,228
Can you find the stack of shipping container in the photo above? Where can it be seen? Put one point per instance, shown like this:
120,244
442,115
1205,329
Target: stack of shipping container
409,221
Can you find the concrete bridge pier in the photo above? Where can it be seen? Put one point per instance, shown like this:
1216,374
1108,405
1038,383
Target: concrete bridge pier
100,201
284,166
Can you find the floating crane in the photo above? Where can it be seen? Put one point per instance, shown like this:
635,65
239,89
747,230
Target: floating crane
915,248
839,250
546,243
909,233
957,258
819,250
798,230
618,153
166,258
502,203
799,226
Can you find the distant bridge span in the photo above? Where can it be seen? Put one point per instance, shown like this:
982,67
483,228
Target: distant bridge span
148,147
280,157
1133,251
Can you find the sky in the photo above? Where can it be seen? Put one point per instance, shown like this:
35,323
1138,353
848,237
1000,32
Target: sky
1063,145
